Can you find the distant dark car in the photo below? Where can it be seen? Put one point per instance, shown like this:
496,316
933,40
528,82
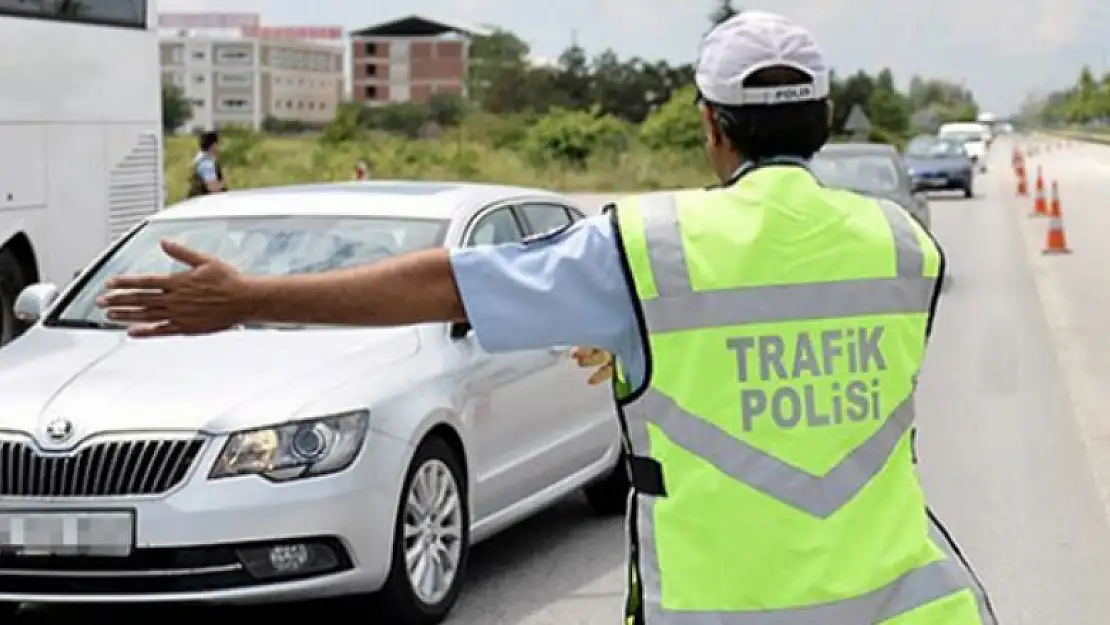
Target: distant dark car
939,164
874,169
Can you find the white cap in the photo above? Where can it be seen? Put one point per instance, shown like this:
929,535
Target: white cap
752,41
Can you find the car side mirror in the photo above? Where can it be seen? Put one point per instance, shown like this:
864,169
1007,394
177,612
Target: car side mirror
34,301
460,330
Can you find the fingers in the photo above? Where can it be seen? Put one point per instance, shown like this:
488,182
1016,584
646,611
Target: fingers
590,356
147,330
130,299
603,374
137,315
184,254
158,283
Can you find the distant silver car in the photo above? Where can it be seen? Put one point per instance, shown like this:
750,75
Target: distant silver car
874,169
281,462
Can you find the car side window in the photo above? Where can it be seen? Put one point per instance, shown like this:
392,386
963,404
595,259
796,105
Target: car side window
543,218
496,227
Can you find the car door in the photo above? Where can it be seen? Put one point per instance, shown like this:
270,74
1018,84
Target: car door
513,433
583,417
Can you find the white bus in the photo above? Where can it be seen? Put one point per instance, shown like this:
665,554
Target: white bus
80,135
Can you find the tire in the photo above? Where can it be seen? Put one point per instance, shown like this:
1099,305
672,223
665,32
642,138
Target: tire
609,495
969,193
12,281
399,598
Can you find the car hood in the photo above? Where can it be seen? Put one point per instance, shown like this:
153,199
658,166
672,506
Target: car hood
937,164
102,381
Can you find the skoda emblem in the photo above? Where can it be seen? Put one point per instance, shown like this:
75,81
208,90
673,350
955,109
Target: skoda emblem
59,430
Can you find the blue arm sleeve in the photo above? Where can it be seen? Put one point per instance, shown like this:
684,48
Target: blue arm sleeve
563,289
206,169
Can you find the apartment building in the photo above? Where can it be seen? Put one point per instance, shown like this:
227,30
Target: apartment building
409,59
236,79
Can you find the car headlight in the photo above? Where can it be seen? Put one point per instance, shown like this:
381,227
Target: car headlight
295,450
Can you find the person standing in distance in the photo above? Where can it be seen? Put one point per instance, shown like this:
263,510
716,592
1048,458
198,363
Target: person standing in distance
207,176
768,334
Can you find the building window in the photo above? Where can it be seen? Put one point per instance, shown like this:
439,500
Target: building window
234,104
238,79
198,55
371,93
177,56
197,103
371,69
199,79
235,56
288,104
371,49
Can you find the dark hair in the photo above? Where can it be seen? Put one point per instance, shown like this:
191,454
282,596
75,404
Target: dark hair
759,131
208,139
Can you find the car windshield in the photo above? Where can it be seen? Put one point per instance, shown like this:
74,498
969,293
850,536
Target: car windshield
265,246
930,147
867,173
964,136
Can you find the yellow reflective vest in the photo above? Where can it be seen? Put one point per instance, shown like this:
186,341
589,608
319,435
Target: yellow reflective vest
769,445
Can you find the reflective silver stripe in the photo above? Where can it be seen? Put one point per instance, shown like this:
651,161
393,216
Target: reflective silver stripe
666,255
788,302
820,496
679,307
917,588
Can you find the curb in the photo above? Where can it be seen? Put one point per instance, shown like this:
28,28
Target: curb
1081,386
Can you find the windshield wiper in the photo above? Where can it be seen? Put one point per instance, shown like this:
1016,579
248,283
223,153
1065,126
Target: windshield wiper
83,324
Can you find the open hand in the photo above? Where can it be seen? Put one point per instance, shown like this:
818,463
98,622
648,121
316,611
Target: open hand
208,297
594,357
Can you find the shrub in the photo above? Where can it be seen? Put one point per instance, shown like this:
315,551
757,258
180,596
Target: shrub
573,137
676,125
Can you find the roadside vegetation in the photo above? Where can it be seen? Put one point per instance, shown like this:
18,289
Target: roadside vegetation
579,123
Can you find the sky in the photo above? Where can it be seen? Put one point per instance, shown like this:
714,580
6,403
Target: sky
1002,49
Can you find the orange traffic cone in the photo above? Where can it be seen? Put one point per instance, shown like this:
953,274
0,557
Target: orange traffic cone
1022,181
1040,207
361,171
1016,160
1056,241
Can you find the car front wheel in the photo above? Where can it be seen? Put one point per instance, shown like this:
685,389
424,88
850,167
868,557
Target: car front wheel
431,538
968,193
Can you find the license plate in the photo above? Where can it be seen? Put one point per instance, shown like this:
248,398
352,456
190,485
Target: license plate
67,533
936,182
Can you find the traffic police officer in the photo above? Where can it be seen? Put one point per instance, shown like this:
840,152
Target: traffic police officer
768,335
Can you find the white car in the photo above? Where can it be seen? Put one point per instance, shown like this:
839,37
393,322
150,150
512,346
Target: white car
280,462
975,137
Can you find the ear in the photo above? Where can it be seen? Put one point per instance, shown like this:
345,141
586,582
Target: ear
713,134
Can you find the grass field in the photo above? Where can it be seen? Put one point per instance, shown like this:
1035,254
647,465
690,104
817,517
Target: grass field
252,160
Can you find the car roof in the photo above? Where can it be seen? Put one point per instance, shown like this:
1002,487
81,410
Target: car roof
381,198
858,148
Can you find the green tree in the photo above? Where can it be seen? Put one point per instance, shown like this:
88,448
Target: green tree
176,110
497,68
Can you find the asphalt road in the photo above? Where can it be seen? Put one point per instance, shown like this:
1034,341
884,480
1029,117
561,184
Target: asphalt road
1002,456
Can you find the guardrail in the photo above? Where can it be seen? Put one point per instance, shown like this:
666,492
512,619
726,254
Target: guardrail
1089,137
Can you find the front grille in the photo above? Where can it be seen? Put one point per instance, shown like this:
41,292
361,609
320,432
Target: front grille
105,469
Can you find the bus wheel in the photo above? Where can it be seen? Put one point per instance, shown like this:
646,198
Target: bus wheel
11,283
